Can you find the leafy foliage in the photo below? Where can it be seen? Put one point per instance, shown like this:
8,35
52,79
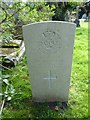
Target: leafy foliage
19,13
37,12
61,9
9,91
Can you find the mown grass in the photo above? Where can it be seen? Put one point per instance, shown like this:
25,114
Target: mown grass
21,105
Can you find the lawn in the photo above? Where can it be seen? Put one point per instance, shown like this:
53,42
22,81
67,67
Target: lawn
21,105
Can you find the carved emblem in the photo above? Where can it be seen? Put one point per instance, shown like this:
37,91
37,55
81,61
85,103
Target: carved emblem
51,40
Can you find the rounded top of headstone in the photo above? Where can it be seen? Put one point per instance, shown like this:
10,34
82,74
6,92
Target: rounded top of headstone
56,22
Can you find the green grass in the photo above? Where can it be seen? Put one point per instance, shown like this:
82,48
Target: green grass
21,105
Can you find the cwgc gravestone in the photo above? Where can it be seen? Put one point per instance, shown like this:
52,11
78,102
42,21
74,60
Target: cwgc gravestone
49,50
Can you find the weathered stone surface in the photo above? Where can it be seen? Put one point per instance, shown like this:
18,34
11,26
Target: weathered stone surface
49,50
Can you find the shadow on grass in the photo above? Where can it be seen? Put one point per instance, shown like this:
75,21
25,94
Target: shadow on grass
46,109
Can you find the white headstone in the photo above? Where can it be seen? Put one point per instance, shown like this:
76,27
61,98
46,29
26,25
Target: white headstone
49,50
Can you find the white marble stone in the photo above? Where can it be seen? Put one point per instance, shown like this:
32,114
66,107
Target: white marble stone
49,50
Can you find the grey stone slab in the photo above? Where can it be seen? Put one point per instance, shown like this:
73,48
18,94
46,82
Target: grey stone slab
49,50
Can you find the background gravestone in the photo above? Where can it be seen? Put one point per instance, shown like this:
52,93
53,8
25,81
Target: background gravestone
49,50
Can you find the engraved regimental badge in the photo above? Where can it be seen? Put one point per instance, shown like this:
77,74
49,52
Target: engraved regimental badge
51,40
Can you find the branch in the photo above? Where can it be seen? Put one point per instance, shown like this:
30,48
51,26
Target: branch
2,107
16,12
5,15
5,20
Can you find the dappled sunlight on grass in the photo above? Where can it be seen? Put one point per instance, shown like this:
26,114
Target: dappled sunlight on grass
84,24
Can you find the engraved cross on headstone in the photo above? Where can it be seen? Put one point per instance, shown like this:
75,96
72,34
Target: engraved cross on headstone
50,78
